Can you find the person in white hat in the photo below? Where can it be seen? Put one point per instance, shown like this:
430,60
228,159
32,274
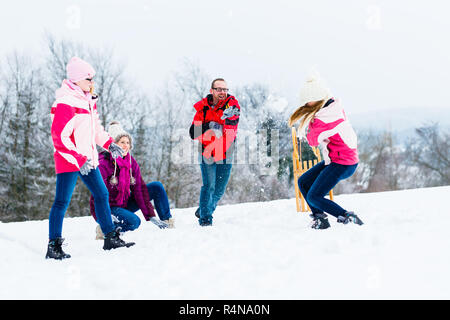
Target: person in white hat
324,123
128,192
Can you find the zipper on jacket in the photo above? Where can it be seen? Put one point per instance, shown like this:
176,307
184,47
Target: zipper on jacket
91,109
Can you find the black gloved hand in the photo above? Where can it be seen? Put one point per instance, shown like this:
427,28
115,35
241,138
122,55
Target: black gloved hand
230,112
160,224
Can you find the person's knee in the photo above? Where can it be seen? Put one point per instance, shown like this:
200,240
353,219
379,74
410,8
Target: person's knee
134,223
62,204
313,197
101,196
302,186
217,194
211,187
158,186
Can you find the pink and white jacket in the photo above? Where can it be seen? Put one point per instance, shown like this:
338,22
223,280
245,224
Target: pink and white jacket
331,129
76,129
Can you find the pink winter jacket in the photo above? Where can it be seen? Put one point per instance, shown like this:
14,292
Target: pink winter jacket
76,129
331,129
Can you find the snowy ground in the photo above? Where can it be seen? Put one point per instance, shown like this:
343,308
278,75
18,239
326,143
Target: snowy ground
253,251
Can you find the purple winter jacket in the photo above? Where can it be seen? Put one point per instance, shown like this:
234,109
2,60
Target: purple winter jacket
120,194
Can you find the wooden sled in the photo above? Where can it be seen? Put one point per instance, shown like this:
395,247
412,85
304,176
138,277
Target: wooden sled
301,167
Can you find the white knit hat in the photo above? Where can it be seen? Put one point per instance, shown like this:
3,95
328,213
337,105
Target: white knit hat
314,89
117,132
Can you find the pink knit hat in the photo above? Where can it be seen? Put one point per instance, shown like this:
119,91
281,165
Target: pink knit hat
78,69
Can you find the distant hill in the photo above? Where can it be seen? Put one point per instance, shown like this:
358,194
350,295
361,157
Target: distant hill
402,122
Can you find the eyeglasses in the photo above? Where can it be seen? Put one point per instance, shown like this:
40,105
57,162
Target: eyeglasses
89,79
221,89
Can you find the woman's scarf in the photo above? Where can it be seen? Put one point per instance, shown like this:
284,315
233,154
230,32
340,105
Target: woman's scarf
123,187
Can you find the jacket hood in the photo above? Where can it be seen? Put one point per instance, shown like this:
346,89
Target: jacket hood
207,101
332,112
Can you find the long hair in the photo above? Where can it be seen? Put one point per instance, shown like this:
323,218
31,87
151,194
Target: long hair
305,113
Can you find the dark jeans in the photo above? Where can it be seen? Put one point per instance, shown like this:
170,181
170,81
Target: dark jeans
317,182
215,179
65,184
128,220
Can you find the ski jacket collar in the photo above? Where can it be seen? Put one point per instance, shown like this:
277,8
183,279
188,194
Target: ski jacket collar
208,101
70,88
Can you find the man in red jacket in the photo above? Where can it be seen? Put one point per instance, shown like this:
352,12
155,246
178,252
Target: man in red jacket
215,127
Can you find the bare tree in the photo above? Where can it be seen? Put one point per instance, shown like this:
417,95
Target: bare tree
429,151
192,80
110,84
171,119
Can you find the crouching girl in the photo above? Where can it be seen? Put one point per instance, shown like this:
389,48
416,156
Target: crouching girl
323,121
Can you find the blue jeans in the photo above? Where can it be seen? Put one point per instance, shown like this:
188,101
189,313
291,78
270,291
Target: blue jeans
129,221
215,179
65,184
317,182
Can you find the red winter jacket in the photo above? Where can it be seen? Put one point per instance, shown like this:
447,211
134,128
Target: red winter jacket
205,114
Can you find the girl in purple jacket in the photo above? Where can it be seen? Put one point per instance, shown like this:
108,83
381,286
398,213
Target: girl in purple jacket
323,120
128,192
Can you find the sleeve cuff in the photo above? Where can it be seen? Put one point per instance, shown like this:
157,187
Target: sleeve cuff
81,161
108,143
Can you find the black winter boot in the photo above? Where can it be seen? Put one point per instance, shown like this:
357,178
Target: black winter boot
197,213
320,221
54,250
350,216
113,241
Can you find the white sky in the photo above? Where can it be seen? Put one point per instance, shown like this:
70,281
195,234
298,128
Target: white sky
374,54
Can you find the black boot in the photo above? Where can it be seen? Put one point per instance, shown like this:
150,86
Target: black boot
320,221
350,216
54,250
113,241
197,213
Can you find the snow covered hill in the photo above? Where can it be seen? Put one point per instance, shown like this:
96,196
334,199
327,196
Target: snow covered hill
254,251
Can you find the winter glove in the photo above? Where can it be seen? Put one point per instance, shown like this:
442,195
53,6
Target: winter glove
216,128
215,125
160,224
230,112
115,150
86,167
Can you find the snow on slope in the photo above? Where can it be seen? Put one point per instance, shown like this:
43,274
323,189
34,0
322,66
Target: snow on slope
254,251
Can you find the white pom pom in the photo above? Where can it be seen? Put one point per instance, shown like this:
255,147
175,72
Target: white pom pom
313,75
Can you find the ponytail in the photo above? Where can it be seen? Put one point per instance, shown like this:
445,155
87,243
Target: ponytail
305,113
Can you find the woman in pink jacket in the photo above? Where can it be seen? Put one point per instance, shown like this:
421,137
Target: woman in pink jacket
76,130
327,127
